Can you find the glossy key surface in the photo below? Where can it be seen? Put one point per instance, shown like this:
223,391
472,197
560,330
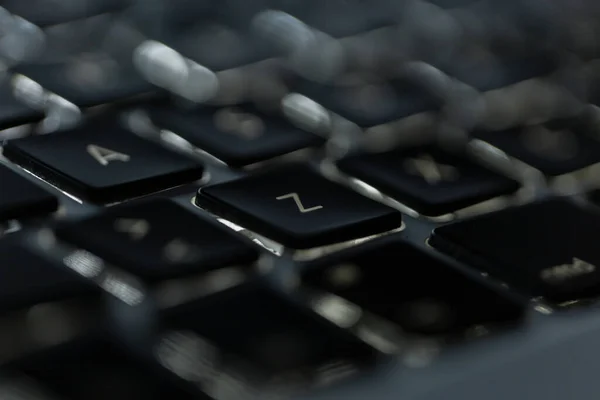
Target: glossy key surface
157,239
103,162
543,249
297,207
427,179
236,135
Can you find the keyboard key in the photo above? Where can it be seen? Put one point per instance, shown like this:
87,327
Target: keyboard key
21,198
421,294
368,104
95,368
27,278
261,337
555,148
157,240
341,18
496,72
427,179
298,208
114,81
219,46
543,249
238,136
102,162
49,12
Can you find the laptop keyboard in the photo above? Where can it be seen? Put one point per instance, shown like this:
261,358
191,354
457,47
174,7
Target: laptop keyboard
263,199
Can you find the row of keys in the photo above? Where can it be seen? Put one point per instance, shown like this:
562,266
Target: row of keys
427,179
559,273
103,162
242,136
114,76
299,209
137,239
281,339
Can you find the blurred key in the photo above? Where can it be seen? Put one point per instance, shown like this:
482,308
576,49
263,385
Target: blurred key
28,278
219,46
341,18
236,135
157,240
369,104
428,179
494,72
555,148
51,12
88,79
417,292
259,341
96,368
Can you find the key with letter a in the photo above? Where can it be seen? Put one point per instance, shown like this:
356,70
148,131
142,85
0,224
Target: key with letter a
102,162
298,208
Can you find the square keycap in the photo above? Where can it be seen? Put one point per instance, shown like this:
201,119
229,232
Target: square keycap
263,337
419,293
298,208
157,240
427,179
238,135
543,249
102,162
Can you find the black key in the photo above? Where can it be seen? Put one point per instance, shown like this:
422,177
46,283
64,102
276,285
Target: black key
21,198
114,81
503,70
49,12
220,46
27,278
543,249
238,136
265,336
102,162
341,18
12,112
298,208
427,179
157,240
555,148
368,104
418,292
95,368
